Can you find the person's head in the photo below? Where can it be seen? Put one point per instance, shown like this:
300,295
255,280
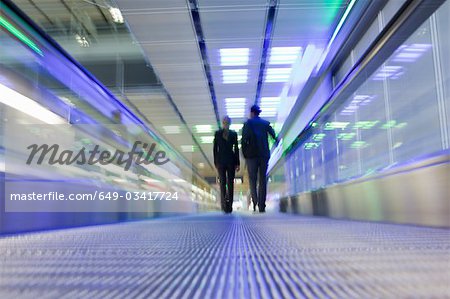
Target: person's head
255,111
226,121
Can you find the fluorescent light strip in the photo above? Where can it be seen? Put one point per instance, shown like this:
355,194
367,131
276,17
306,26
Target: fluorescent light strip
234,56
268,114
235,107
203,128
172,129
336,31
235,101
26,105
187,148
278,74
270,101
207,139
284,55
235,76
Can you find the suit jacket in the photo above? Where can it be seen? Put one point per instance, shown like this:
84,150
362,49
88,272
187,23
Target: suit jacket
262,130
226,152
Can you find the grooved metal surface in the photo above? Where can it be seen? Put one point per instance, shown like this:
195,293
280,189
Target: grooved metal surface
228,256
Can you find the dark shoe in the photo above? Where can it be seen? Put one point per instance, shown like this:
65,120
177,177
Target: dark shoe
254,207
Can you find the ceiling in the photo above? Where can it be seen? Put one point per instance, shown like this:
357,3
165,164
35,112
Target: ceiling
176,62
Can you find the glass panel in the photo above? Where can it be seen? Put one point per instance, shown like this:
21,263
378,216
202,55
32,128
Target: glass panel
443,26
397,115
411,86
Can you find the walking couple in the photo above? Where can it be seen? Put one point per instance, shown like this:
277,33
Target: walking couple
255,148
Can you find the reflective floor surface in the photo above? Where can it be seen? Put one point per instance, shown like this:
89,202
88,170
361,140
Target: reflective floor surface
228,256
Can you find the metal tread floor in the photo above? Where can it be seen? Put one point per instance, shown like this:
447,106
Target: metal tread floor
228,256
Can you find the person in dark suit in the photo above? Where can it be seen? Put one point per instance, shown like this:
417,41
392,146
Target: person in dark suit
226,160
257,166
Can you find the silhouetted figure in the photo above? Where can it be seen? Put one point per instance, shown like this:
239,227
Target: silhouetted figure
255,133
226,160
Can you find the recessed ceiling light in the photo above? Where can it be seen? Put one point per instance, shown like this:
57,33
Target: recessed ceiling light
235,107
207,139
278,74
203,128
234,76
235,101
171,129
284,55
234,56
187,148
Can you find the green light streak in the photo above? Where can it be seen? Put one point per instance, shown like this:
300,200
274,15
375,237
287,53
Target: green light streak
366,125
389,124
359,144
331,10
335,125
22,37
311,145
346,136
318,137
342,20
401,125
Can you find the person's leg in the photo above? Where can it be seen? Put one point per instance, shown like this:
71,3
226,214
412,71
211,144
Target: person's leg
222,182
252,167
262,184
230,187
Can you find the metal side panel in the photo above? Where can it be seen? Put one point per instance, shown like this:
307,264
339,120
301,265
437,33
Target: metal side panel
418,196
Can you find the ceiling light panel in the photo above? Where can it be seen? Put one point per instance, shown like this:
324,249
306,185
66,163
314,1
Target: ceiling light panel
203,128
269,106
188,148
235,107
171,129
278,74
284,55
231,76
206,139
234,56
270,100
